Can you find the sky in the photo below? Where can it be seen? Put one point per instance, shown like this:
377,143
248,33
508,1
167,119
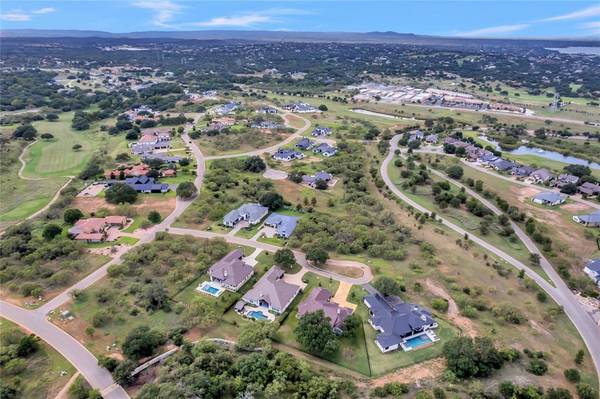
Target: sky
483,18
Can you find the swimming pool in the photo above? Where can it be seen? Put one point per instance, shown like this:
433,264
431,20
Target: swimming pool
210,288
257,315
416,342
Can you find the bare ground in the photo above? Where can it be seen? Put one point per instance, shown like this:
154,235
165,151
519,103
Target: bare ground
427,370
464,323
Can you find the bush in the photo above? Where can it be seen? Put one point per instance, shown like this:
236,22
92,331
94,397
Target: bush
455,172
272,200
468,357
186,190
585,391
440,304
122,373
572,375
141,342
537,367
154,217
51,230
387,286
254,164
72,215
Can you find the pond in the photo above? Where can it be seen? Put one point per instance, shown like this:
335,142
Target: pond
553,155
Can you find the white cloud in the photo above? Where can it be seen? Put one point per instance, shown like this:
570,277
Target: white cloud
45,10
250,18
586,12
593,27
494,30
164,11
15,16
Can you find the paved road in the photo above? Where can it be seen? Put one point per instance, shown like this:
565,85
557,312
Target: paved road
272,149
560,293
300,257
439,151
36,322
66,345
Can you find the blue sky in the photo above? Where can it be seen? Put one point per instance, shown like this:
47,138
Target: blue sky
521,18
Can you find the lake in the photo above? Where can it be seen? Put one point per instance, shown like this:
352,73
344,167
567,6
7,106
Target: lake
553,155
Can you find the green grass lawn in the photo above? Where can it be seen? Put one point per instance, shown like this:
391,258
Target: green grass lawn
45,373
120,240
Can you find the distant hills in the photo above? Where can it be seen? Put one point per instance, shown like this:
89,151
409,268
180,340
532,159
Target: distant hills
285,36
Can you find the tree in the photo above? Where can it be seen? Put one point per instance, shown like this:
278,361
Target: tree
141,342
76,147
387,286
72,215
199,314
578,170
285,257
120,193
80,121
256,335
51,117
47,136
569,189
585,391
108,363
271,200
351,325
579,356
186,190
122,373
455,172
25,132
558,393
537,367
467,357
315,334
254,164
27,345
154,217
155,297
51,230
323,108
317,256
321,184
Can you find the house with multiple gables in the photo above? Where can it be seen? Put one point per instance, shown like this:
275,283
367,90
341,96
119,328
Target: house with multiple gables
300,108
589,189
320,299
231,272
272,292
549,198
592,269
325,149
311,180
305,144
284,225
287,155
589,220
252,213
95,229
266,110
321,131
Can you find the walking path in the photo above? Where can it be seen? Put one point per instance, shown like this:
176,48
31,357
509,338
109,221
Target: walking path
560,292
64,392
341,295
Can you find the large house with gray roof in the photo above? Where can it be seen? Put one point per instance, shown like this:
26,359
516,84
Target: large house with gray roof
589,189
252,213
590,220
397,321
311,180
284,224
231,272
325,149
541,176
592,269
271,292
320,299
549,198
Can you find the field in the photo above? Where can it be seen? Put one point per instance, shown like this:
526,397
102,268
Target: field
45,371
49,163
239,142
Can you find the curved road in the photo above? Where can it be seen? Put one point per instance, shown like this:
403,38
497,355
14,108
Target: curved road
561,293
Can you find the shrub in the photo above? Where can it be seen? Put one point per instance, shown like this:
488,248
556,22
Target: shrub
120,193
572,375
585,391
72,215
154,217
537,367
186,190
440,304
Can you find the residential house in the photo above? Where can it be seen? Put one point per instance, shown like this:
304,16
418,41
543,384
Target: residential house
231,271
168,159
266,110
321,131
312,180
396,320
431,138
590,220
502,165
226,108
549,198
284,225
168,173
287,155
320,299
272,292
592,269
565,179
325,149
523,172
541,176
415,135
252,213
265,125
305,144
589,189
487,158
95,229
300,107
128,171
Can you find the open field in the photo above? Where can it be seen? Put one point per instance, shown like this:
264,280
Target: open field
45,371
233,143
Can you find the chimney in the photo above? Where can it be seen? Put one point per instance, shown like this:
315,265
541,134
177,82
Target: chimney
224,273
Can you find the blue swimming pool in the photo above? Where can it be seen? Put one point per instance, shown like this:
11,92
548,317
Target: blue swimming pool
210,289
419,340
257,315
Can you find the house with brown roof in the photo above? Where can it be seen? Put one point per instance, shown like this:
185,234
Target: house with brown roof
320,299
231,272
128,171
272,292
95,229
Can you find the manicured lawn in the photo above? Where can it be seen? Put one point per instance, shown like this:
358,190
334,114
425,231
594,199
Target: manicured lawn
120,240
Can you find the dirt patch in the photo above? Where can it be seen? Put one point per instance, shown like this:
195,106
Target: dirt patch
524,193
348,271
464,323
428,370
577,207
539,328
145,204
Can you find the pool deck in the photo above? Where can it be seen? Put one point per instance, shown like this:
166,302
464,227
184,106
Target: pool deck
212,284
250,308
